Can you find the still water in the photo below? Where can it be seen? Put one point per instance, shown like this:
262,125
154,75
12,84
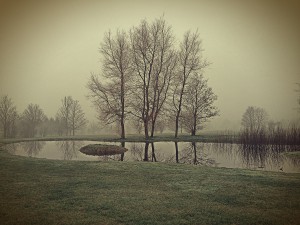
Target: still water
267,158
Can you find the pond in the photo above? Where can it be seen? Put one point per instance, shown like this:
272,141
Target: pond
269,158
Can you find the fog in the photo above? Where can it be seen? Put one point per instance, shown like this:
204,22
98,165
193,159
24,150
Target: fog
48,50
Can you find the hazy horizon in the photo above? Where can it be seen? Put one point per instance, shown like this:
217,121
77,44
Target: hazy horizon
49,49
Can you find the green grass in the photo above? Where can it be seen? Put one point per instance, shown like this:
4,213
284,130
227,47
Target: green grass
40,191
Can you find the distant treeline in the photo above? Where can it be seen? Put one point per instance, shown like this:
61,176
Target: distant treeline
258,129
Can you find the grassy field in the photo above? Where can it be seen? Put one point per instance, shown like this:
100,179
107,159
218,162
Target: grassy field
40,191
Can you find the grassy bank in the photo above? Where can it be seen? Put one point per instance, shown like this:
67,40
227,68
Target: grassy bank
133,138
293,155
38,191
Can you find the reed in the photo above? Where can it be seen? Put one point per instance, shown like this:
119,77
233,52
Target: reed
276,136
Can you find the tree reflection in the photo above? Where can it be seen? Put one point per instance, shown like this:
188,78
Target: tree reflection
140,152
122,155
146,156
11,148
262,156
153,156
137,152
294,161
176,152
192,154
69,148
33,148
106,158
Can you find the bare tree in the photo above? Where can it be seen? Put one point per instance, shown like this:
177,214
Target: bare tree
161,125
77,118
49,126
8,117
59,125
198,104
254,119
141,74
71,115
64,113
190,61
137,125
153,61
109,95
32,116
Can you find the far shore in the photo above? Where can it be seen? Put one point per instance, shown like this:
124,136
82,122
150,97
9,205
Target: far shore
214,138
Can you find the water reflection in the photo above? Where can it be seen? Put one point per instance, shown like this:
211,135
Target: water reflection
123,154
69,148
261,157
11,148
146,155
176,152
266,156
137,151
194,154
33,148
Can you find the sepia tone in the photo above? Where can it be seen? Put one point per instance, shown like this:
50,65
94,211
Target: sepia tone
139,112
253,47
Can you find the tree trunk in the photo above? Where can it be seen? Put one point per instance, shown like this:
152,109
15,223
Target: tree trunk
123,107
146,129
122,128
194,129
176,125
152,128
193,132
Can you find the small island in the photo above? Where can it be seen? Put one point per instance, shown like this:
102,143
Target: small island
100,150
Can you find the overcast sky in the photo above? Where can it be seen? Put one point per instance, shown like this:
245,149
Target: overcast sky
49,48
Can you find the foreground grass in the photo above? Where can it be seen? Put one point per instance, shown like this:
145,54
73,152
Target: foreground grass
38,191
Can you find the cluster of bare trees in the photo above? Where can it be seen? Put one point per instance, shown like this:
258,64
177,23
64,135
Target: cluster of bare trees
147,79
33,121
254,124
254,119
28,121
8,117
257,128
32,116
71,115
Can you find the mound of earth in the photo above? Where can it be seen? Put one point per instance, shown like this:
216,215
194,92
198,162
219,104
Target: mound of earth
100,150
